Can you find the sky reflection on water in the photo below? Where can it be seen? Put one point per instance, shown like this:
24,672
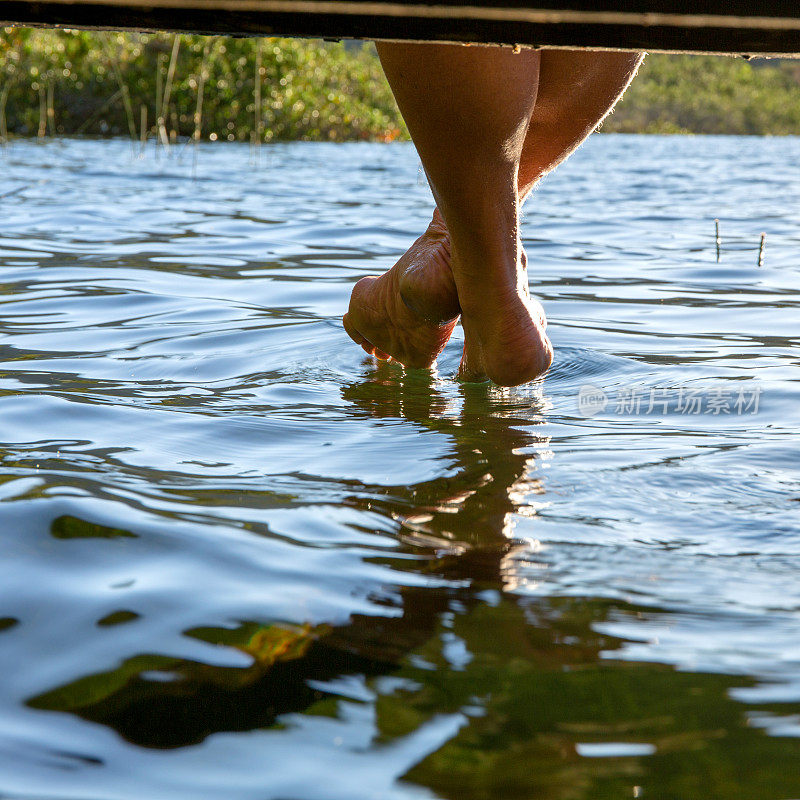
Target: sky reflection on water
243,561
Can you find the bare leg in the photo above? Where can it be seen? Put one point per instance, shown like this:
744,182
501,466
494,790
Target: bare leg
468,111
576,90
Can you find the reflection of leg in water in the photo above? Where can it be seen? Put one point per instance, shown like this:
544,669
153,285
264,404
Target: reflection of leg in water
526,684
165,702
159,701
491,448
480,136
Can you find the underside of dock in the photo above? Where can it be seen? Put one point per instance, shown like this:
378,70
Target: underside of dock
737,27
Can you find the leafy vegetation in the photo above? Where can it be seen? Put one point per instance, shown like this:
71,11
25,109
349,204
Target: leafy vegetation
711,94
68,82
222,88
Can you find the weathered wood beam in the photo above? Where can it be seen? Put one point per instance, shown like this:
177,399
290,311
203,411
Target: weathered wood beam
716,26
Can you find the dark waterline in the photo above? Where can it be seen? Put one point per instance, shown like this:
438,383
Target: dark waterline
243,561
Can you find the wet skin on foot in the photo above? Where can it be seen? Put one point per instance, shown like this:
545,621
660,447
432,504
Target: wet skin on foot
409,313
505,338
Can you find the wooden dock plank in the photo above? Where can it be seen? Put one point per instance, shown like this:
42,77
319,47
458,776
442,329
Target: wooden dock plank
717,26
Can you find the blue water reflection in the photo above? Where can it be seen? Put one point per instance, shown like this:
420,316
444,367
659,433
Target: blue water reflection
241,560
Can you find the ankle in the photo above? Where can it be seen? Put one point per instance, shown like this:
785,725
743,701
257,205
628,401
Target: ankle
437,224
488,278
483,301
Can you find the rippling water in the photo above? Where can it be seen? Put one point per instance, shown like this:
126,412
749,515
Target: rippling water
240,560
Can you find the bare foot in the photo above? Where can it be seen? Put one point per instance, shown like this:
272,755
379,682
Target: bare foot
504,333
408,313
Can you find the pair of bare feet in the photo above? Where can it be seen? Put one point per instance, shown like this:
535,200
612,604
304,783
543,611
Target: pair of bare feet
409,313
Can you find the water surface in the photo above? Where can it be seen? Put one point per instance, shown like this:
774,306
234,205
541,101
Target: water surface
242,560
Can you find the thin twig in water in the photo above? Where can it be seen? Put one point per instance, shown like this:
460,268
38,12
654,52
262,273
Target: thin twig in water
761,250
258,129
42,132
142,129
12,192
51,112
717,239
173,60
3,102
201,82
157,113
126,97
85,124
198,109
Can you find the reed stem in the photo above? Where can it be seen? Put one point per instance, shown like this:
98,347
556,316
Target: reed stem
85,124
162,116
126,96
201,83
259,120
142,129
42,113
51,111
157,114
198,109
3,102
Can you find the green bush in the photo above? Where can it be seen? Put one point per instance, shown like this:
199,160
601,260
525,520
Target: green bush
71,82
68,82
711,94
